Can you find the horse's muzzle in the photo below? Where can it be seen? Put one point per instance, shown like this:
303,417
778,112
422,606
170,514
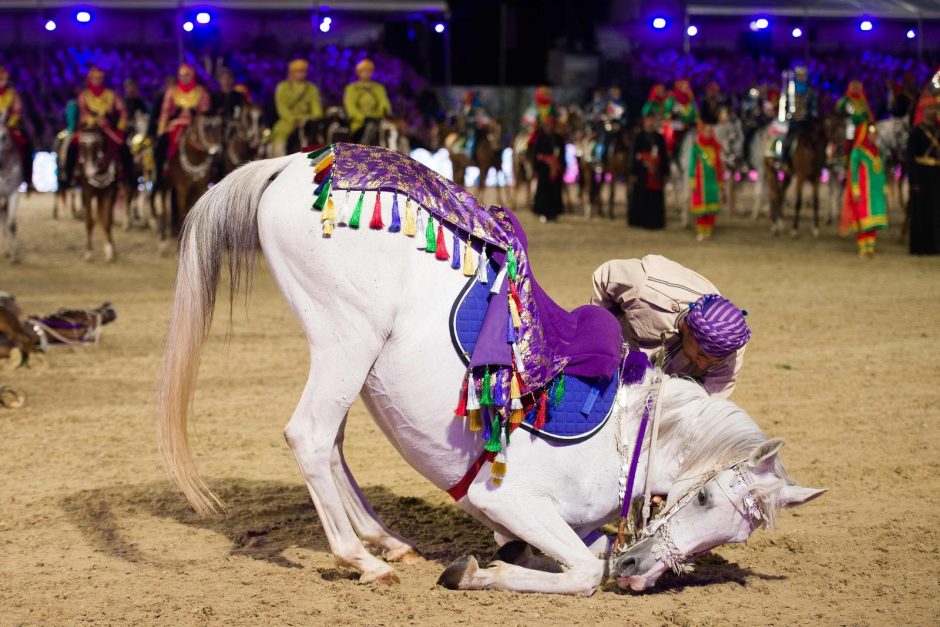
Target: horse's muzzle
637,568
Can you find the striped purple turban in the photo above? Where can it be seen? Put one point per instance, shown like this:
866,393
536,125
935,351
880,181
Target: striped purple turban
717,325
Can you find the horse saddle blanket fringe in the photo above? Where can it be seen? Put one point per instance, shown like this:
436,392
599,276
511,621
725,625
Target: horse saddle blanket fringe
527,346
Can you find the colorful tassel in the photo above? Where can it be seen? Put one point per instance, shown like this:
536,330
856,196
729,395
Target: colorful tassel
558,392
498,469
468,269
395,226
376,221
322,175
344,212
324,194
357,212
328,229
486,395
482,264
409,226
473,402
440,249
517,355
476,422
542,415
430,240
324,163
498,281
329,212
420,240
516,415
512,263
515,391
319,151
461,410
510,331
514,312
495,443
455,258
487,425
500,389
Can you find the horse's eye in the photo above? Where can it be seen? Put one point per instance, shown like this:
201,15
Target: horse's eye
702,498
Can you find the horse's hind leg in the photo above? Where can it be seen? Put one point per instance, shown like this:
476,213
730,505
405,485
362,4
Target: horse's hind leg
87,199
535,521
816,208
337,373
106,203
799,204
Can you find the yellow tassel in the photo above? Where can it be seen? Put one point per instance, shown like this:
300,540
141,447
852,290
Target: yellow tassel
476,424
516,416
409,228
327,229
516,320
468,269
329,212
324,164
514,391
497,471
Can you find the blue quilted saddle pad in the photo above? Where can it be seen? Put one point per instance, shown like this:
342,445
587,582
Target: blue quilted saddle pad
587,403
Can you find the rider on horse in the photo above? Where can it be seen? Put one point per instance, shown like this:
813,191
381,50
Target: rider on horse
365,100
676,317
655,104
798,107
100,108
228,101
854,105
473,118
11,114
180,103
297,101
681,107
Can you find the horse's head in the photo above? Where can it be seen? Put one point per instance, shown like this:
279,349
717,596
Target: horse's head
724,505
209,132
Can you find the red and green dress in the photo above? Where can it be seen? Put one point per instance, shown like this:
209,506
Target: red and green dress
865,209
705,173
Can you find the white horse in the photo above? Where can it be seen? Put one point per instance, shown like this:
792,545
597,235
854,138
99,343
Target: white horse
375,313
11,177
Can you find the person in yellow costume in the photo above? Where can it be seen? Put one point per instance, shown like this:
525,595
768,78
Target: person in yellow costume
297,101
11,114
365,101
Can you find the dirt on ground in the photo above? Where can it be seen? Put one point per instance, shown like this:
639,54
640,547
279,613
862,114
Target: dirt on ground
842,365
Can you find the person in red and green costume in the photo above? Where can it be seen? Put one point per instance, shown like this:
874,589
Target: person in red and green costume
655,104
680,107
865,208
854,105
705,173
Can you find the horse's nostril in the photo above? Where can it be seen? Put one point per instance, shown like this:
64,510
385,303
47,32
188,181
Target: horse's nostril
626,566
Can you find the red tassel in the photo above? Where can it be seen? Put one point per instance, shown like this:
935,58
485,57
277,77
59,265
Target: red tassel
322,174
462,402
376,221
441,252
542,414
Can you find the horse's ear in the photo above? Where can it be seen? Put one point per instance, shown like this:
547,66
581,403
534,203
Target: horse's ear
765,455
793,495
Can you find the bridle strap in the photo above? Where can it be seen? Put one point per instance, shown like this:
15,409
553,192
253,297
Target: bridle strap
657,414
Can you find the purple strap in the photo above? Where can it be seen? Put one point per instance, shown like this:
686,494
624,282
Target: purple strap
631,476
58,324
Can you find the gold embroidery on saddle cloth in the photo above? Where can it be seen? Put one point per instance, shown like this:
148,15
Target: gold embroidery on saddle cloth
187,100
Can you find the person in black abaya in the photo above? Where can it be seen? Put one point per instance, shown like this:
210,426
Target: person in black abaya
924,169
548,155
649,166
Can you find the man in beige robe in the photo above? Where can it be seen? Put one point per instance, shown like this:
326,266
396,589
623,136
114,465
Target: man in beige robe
652,297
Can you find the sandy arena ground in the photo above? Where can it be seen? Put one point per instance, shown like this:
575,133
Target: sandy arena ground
842,365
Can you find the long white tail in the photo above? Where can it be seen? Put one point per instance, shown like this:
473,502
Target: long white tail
224,220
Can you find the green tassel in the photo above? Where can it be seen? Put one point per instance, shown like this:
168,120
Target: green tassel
495,445
320,202
357,212
319,151
430,236
559,392
486,397
512,264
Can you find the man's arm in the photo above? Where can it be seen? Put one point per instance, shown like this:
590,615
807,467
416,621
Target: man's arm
615,283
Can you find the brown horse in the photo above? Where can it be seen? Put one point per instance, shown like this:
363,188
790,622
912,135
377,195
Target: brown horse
98,160
331,128
614,166
487,154
189,173
808,159
241,138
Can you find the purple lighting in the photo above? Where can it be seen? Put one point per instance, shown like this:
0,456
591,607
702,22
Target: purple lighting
865,25
325,25
692,30
188,27
203,18
797,32
911,34
83,17
50,25
659,23
439,28
759,24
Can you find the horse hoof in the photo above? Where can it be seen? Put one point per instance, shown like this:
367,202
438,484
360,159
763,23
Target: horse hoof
385,578
14,360
86,256
458,570
11,398
407,558
108,253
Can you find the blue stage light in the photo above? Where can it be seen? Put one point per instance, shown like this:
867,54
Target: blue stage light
659,23
692,30
325,26
50,25
203,18
439,28
188,26
328,20
797,32
865,25
83,17
911,34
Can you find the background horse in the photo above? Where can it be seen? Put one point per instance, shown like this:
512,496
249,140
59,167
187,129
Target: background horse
189,172
487,155
141,178
332,127
65,193
837,161
241,137
808,156
523,173
608,167
98,160
402,362
11,177
892,137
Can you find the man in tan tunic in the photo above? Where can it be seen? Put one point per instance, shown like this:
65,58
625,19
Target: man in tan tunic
676,317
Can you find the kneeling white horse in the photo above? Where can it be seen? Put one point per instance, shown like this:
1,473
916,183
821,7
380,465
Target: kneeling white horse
375,315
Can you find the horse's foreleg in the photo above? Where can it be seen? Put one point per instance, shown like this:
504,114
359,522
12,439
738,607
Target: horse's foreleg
87,199
535,521
816,208
106,202
799,203
9,227
611,195
313,432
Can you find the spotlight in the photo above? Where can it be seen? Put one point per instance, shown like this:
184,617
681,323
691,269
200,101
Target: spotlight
692,30
659,23
188,27
324,27
50,25
911,34
865,25
439,28
797,32
327,20
203,18
83,17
